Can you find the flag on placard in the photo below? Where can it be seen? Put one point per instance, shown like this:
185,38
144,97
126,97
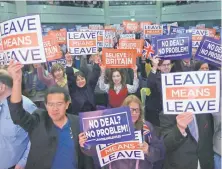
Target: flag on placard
147,50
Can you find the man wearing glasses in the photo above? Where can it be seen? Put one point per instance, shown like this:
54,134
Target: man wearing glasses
53,133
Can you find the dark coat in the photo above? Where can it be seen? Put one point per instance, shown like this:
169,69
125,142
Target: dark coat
44,138
153,104
83,99
184,152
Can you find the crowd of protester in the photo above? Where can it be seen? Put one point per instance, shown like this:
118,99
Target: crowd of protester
40,109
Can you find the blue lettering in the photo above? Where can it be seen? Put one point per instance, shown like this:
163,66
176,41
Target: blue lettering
166,81
177,78
168,109
200,81
105,162
211,76
12,28
31,24
112,157
188,79
211,105
190,107
23,25
120,154
201,108
130,154
178,106
137,154
5,29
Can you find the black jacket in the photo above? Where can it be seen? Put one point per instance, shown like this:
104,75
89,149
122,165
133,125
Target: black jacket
184,152
153,105
83,99
44,138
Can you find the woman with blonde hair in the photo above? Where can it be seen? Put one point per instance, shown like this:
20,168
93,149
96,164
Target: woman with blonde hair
152,146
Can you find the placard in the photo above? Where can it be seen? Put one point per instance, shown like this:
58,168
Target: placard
119,58
60,35
131,26
22,40
197,35
127,36
52,48
177,30
109,38
177,46
108,153
196,92
150,30
132,44
210,51
82,43
107,126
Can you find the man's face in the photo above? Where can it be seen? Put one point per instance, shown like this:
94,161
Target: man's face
56,106
165,67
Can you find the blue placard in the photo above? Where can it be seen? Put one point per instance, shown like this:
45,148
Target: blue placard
177,46
107,126
175,30
210,51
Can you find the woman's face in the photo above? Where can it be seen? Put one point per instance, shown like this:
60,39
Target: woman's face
204,67
58,74
68,57
80,81
135,111
116,77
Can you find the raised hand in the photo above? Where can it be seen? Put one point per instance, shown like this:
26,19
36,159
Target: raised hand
183,120
15,70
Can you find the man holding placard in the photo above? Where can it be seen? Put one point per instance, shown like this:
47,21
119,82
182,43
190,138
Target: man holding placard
53,134
188,137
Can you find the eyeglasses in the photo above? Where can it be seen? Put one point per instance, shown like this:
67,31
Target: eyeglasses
166,65
57,105
137,110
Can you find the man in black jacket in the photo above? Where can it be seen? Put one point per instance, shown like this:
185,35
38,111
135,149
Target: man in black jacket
53,133
187,146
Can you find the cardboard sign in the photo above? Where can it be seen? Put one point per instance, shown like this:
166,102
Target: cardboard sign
61,61
200,26
95,27
60,35
119,58
175,46
144,23
131,26
177,30
196,92
100,37
109,39
150,30
210,51
52,48
22,40
197,35
123,150
127,36
132,44
107,126
2,62
82,43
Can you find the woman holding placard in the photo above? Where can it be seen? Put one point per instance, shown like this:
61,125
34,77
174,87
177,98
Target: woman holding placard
117,88
152,146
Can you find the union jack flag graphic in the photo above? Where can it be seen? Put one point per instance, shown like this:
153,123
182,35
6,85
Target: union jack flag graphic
146,132
147,50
